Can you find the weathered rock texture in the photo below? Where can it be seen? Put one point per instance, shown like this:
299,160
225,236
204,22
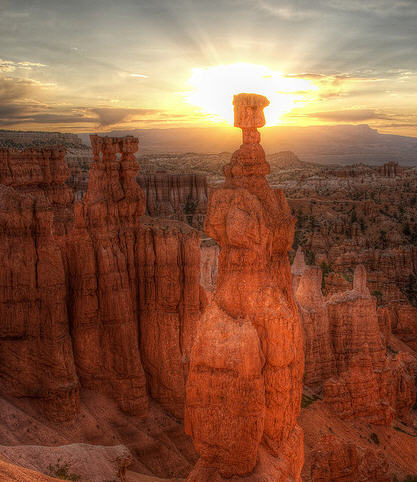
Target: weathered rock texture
42,174
244,385
170,304
346,353
103,271
35,347
176,196
335,460
320,362
209,255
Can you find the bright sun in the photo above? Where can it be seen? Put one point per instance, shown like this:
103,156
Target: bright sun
212,90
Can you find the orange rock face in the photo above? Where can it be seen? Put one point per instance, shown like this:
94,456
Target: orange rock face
42,173
244,387
170,303
335,460
346,354
35,347
101,260
320,361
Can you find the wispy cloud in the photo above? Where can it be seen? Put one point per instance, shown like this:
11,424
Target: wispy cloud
12,66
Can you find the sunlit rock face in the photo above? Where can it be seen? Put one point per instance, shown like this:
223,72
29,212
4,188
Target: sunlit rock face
36,360
101,259
346,353
244,387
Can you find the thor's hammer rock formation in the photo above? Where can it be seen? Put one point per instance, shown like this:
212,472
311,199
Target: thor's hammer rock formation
245,381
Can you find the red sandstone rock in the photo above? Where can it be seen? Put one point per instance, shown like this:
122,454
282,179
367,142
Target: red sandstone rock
209,254
334,460
176,196
320,360
102,263
297,268
253,316
346,353
11,472
403,321
354,324
170,302
335,283
42,173
36,358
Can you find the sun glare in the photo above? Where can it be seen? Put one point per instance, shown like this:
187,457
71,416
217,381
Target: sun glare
212,90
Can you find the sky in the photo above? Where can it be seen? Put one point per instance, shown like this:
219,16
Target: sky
90,65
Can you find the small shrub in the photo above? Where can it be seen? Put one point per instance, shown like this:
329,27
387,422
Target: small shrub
411,478
306,401
62,471
378,296
374,438
310,257
399,429
391,350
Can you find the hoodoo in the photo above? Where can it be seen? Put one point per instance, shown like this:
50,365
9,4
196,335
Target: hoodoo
244,387
101,255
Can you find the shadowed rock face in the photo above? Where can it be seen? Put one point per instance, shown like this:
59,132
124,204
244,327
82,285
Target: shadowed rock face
176,196
243,390
42,174
35,347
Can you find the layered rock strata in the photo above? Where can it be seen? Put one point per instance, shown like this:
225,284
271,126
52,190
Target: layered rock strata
176,196
346,352
320,361
170,303
244,387
103,274
335,460
36,359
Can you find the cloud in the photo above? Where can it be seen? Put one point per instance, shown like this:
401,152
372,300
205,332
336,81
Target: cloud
13,89
349,115
109,116
11,66
293,11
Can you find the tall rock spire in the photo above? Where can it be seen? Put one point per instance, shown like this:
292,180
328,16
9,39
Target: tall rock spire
245,381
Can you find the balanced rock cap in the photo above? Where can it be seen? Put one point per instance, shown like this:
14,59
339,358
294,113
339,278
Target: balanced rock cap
249,110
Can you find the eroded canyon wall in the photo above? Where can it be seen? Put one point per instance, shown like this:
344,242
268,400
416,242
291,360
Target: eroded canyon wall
346,352
101,259
91,295
176,196
36,360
